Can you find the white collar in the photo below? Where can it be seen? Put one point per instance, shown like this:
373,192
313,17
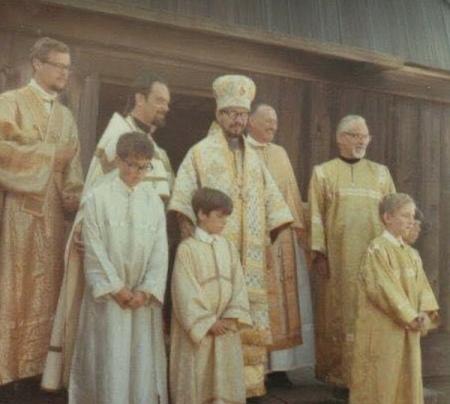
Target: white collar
397,241
125,187
255,142
46,96
204,236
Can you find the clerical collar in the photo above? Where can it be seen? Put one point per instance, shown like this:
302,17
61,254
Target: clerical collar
254,142
141,125
350,161
204,236
397,241
46,96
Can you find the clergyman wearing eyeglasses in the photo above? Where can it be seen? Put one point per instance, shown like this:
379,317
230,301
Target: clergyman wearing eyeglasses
40,187
344,195
223,160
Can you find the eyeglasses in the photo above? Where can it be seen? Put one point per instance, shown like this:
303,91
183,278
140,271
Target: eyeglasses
358,136
59,66
138,167
234,114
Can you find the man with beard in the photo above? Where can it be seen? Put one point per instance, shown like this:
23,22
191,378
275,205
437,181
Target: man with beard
291,322
40,185
344,196
148,105
223,160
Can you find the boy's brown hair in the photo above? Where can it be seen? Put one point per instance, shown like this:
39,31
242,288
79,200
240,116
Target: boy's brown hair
134,144
209,199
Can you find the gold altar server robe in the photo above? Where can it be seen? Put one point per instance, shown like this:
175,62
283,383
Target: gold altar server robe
393,290
57,366
207,285
283,289
32,225
258,207
343,201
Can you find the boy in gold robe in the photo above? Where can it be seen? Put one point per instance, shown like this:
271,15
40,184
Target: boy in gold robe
396,306
210,305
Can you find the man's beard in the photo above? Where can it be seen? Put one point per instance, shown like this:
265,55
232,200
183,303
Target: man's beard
159,122
359,154
57,89
234,133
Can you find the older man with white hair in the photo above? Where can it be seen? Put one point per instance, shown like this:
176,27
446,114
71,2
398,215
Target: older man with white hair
289,292
344,195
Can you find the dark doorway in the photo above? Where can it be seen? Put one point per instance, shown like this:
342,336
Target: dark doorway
187,122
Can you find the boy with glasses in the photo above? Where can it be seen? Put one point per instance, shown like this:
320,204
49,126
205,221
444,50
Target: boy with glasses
119,352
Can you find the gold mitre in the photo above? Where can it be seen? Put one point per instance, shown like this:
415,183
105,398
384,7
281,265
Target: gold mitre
233,90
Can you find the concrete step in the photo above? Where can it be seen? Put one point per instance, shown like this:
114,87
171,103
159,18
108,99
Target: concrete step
438,388
431,396
436,354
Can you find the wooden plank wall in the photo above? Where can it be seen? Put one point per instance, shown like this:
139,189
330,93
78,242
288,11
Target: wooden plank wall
416,30
410,136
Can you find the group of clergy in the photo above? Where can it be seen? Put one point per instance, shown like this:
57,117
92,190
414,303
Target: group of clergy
272,230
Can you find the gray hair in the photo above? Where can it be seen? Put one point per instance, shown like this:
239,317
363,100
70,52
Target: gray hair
347,121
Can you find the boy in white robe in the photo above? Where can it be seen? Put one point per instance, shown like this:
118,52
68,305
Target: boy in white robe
119,353
210,305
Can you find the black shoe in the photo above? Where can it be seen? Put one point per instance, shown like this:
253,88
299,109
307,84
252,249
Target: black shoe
341,393
279,379
254,400
7,393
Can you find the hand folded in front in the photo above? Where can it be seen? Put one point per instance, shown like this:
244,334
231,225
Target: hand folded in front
128,299
420,324
222,326
139,299
123,297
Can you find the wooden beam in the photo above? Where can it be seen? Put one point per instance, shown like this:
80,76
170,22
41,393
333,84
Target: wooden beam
210,28
133,42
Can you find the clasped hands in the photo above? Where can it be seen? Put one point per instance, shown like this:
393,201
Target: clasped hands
222,326
128,299
420,324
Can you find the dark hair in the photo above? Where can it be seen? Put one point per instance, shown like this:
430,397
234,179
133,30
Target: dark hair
43,46
142,85
134,144
209,199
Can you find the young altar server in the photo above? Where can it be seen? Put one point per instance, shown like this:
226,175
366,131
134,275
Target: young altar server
210,305
119,353
396,306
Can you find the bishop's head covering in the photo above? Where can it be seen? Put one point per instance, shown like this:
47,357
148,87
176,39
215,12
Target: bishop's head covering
234,90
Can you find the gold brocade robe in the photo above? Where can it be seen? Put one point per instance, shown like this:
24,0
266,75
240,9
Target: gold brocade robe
343,201
57,367
32,234
258,207
207,285
393,291
284,305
